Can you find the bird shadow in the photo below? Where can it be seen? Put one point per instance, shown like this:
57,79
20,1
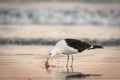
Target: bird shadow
70,74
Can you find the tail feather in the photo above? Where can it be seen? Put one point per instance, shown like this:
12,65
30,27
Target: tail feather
96,47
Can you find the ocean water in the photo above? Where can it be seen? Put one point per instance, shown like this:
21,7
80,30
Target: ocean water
72,15
44,23
49,35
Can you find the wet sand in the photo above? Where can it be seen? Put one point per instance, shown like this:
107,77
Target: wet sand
27,63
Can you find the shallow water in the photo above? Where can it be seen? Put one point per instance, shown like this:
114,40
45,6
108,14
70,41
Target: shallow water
27,63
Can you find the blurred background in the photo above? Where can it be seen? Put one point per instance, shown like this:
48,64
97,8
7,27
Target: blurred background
30,28
44,22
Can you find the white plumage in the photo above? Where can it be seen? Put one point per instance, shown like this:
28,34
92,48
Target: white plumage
62,48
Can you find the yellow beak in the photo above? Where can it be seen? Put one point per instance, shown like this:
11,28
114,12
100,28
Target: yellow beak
47,61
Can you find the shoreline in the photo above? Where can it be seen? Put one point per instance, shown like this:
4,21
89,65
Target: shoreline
51,41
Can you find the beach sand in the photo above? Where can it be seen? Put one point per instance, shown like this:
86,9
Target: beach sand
59,31
27,63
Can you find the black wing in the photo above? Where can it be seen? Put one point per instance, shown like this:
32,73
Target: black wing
77,44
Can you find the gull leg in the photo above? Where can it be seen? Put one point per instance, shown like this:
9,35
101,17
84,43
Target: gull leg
72,61
67,68
67,60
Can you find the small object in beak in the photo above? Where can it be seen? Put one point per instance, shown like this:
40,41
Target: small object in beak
47,61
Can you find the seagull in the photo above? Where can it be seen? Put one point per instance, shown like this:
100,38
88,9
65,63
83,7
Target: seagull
69,47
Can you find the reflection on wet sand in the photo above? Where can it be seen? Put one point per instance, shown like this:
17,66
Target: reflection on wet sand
69,74
27,63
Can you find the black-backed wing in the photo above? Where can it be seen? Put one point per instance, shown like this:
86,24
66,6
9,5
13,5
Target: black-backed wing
77,44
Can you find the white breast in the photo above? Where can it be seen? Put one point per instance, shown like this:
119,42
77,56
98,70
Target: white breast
62,48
